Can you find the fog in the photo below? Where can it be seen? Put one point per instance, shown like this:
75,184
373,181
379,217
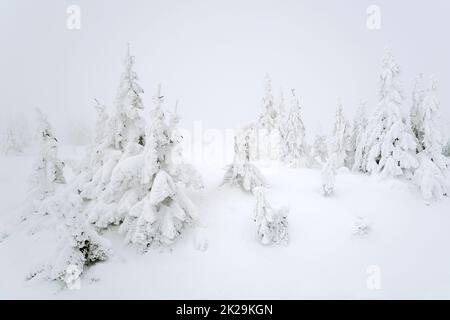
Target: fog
212,55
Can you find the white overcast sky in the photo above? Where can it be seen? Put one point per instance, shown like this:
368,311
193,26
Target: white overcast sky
212,55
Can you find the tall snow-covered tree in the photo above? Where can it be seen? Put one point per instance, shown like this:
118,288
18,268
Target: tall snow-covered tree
48,168
122,132
340,140
359,138
269,125
269,115
129,127
319,149
431,175
294,148
391,143
281,110
146,192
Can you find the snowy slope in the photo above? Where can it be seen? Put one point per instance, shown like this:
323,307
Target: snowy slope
408,242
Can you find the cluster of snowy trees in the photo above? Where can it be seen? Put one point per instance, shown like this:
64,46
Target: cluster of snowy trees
271,224
393,142
132,176
405,142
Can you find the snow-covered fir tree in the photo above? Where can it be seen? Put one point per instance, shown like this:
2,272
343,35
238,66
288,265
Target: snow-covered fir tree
94,159
391,144
418,97
319,149
48,168
242,172
294,148
14,135
79,245
268,124
128,125
272,224
359,138
158,208
329,171
340,139
146,192
431,175
269,115
10,143
117,136
282,113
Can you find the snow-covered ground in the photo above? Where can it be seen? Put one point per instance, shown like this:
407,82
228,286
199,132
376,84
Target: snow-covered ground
406,248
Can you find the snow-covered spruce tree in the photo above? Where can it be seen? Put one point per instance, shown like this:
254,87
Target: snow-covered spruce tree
269,115
95,155
391,143
129,127
146,192
329,175
10,143
15,135
418,97
269,125
340,140
294,148
242,172
281,110
431,175
359,138
79,245
272,224
319,149
48,168
118,136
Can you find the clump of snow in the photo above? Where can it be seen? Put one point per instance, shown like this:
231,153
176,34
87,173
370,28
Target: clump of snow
361,227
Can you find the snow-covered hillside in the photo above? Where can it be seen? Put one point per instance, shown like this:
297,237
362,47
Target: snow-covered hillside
407,244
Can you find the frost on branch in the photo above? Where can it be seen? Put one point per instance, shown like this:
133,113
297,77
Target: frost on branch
48,168
329,176
271,224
